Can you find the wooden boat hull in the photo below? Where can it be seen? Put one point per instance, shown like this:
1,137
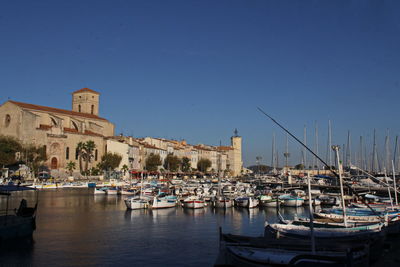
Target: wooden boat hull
16,227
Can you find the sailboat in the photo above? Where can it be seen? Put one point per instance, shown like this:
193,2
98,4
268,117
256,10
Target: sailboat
220,200
135,203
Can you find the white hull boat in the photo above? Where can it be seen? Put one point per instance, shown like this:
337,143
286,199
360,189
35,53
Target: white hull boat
112,191
136,203
223,202
291,201
99,191
163,203
193,203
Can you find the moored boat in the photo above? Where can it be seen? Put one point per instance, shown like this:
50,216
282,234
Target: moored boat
193,203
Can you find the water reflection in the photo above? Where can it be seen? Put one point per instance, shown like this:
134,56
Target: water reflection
161,214
194,212
133,215
291,212
77,228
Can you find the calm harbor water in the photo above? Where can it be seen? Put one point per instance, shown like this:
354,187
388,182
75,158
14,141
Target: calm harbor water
77,228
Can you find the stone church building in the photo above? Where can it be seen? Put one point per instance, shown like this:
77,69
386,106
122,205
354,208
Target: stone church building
58,129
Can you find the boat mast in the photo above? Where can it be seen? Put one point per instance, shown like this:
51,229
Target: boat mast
315,160
348,151
374,155
304,150
336,149
273,154
387,152
311,214
394,163
329,151
361,161
394,184
287,154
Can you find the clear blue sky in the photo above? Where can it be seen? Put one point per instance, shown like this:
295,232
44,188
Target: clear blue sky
198,69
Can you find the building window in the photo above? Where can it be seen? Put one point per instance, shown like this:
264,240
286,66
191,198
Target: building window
95,155
79,108
92,109
67,153
7,120
76,154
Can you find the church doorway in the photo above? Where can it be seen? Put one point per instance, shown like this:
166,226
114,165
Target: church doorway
54,163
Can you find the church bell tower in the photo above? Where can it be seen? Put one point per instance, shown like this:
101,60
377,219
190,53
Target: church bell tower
86,100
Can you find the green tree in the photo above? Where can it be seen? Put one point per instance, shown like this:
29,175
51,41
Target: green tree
94,171
71,166
9,146
299,167
152,162
185,166
124,168
34,156
172,163
110,161
203,164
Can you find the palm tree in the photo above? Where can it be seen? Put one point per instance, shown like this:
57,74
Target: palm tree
90,146
71,166
80,149
85,153
124,168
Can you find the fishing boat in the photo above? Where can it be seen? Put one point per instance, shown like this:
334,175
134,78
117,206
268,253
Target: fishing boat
269,201
193,202
100,191
112,191
16,225
314,201
246,202
163,202
291,200
135,203
238,250
222,202
129,192
323,231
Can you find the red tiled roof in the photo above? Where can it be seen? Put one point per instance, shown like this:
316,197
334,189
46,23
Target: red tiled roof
225,148
86,90
56,110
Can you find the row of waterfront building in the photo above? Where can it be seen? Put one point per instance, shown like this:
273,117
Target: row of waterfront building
61,130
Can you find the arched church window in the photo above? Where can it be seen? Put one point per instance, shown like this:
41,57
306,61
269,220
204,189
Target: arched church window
92,109
7,120
67,153
95,155
79,108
